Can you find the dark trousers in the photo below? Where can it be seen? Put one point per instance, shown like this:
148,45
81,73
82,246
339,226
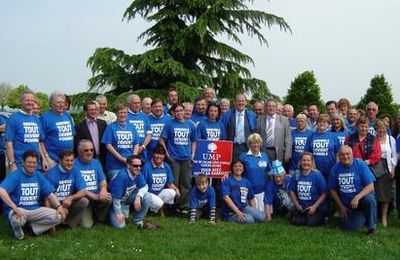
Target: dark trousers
314,220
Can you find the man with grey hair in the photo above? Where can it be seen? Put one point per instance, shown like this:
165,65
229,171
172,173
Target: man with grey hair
258,108
275,131
141,122
146,105
58,128
288,112
96,184
225,105
23,133
372,111
104,114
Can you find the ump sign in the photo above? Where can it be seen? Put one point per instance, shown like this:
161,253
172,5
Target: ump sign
212,158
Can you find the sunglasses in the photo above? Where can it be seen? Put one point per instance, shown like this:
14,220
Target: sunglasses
88,150
136,165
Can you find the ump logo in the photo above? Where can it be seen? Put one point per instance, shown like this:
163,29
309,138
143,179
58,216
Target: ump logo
212,147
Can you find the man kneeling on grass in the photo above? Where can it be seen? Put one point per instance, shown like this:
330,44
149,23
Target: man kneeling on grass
69,188
351,184
22,192
202,199
128,188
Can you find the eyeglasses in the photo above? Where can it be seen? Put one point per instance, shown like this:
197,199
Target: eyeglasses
88,150
371,109
136,165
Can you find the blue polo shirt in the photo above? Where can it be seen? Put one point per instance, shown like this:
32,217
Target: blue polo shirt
255,169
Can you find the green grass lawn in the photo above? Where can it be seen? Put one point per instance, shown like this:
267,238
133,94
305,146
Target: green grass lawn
178,239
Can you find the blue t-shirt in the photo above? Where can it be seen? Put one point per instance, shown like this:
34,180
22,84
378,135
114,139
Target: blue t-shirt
299,140
198,118
157,125
65,183
199,200
179,137
255,170
309,188
371,128
59,133
352,128
123,185
341,135
349,181
26,191
123,138
209,130
271,192
140,121
324,147
2,122
157,177
293,123
240,191
92,174
25,132
398,143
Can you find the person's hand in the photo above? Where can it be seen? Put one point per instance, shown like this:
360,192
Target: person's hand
137,204
240,216
19,213
104,195
392,174
311,210
13,167
67,202
120,218
63,212
354,202
298,207
177,192
367,162
45,164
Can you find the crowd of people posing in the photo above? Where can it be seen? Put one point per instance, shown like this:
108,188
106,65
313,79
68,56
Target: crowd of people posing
139,159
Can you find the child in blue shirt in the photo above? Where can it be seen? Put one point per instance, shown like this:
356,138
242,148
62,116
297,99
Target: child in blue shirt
202,199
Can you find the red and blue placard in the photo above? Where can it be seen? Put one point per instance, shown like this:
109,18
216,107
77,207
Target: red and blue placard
213,158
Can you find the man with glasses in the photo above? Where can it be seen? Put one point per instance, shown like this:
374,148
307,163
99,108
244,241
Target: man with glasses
96,184
372,112
129,188
351,184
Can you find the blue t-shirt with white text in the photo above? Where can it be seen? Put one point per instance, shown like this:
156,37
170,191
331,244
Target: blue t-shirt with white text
157,177
92,174
65,183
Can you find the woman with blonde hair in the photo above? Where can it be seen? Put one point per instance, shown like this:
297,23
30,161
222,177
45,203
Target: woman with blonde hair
256,165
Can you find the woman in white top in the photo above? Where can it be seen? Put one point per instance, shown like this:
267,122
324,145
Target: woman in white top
383,185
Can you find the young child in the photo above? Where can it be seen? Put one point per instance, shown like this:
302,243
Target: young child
202,200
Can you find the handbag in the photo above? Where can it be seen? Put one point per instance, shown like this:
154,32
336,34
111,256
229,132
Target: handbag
380,169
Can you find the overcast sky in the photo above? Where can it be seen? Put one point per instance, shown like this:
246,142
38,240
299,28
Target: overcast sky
45,44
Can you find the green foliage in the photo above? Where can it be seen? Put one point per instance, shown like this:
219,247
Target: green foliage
379,92
304,91
179,240
14,98
5,89
43,100
185,51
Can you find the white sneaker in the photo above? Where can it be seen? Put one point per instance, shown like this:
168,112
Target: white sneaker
17,229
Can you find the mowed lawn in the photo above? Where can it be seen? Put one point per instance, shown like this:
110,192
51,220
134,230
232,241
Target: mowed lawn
176,239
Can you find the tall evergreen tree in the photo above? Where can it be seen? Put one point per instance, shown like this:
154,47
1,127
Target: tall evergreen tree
304,91
379,92
186,53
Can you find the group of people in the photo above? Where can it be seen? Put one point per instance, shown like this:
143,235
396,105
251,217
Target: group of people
138,159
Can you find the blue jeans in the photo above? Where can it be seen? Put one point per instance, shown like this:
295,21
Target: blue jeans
250,216
364,215
138,216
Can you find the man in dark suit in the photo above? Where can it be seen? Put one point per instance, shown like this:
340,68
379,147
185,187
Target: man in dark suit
239,124
92,128
275,132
